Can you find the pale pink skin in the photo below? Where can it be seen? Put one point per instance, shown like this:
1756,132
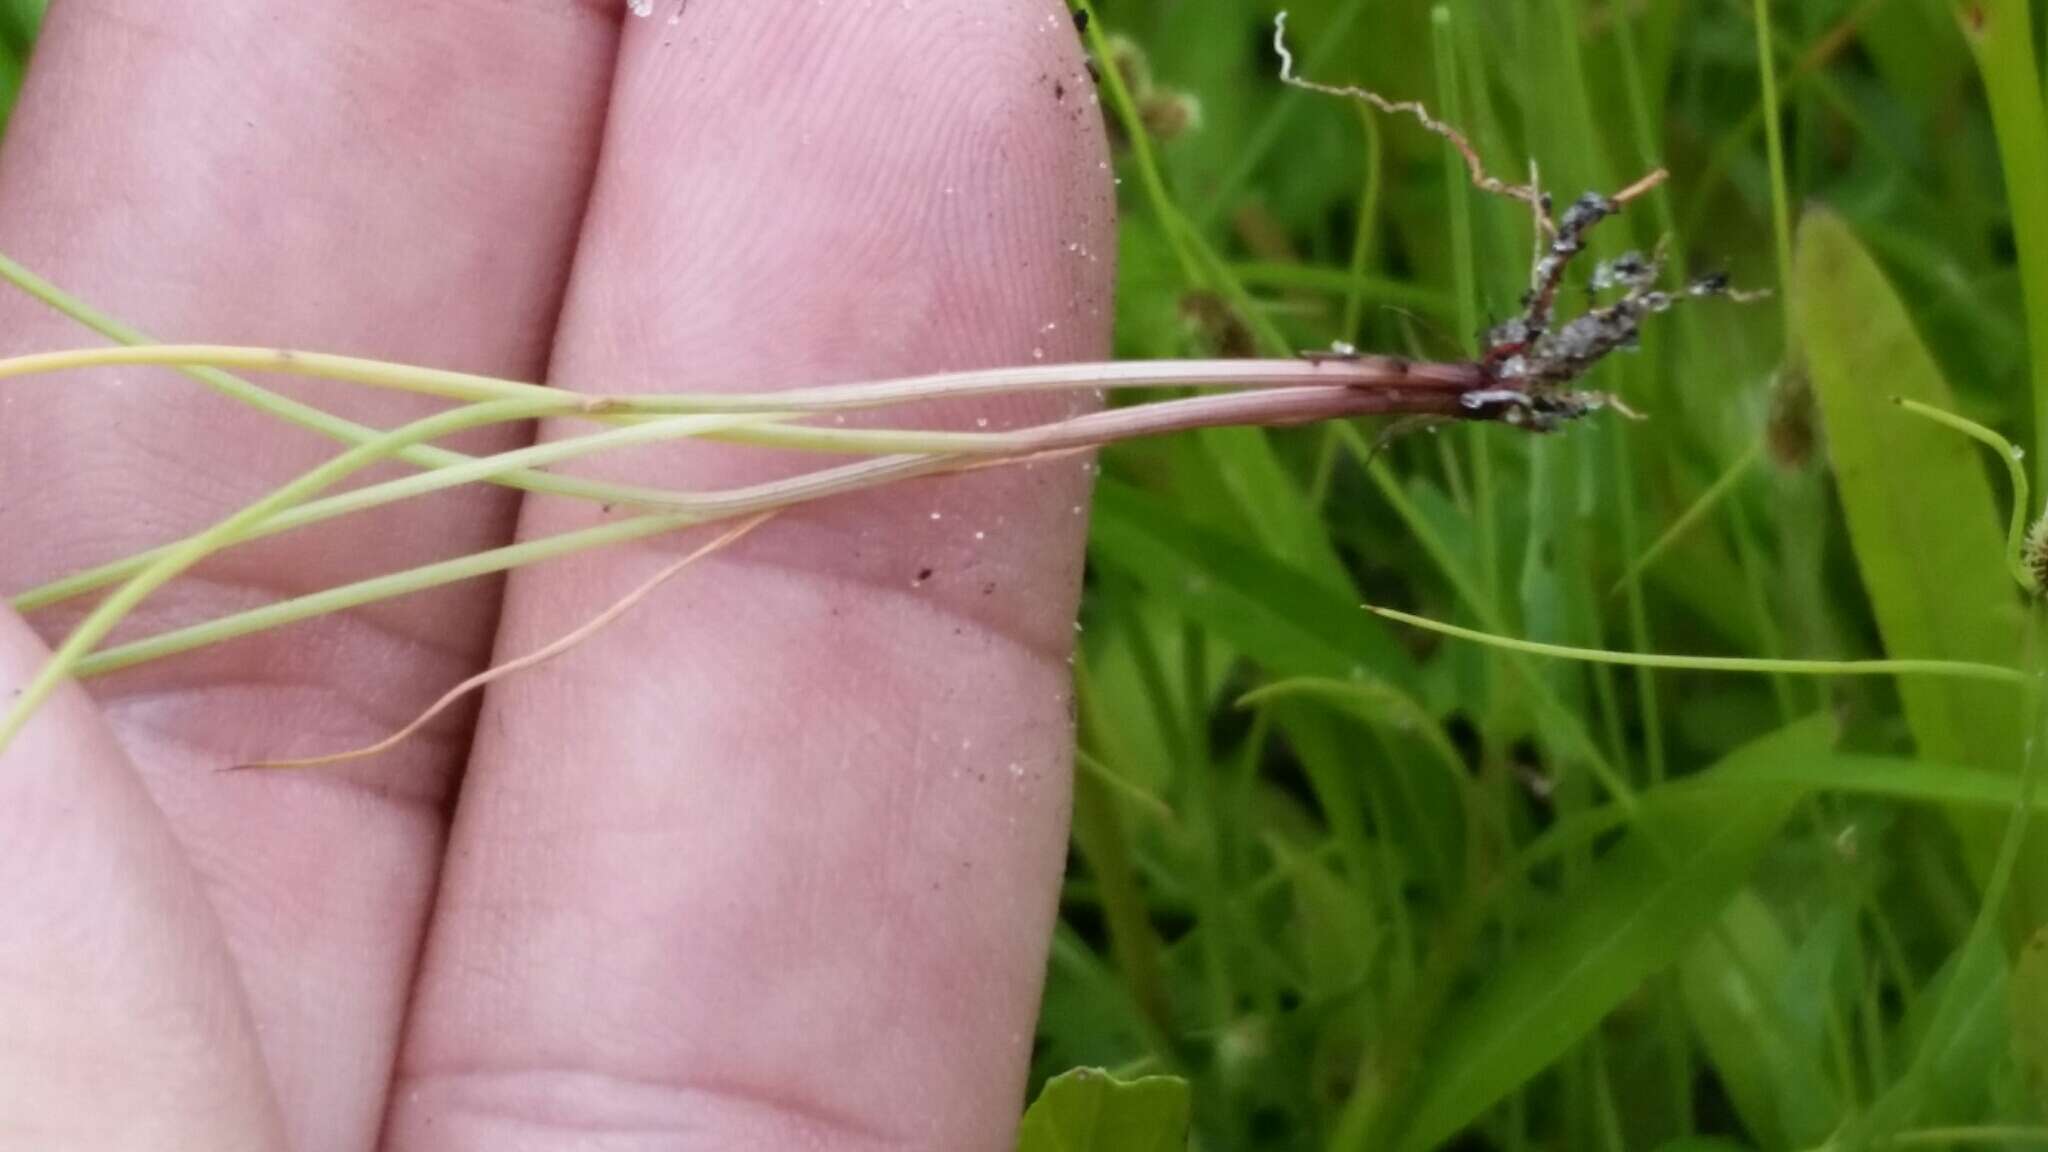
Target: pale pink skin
773,862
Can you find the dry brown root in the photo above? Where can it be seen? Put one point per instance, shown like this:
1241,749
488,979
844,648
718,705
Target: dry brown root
530,660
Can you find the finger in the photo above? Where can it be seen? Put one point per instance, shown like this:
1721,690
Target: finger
774,864
381,177
121,1021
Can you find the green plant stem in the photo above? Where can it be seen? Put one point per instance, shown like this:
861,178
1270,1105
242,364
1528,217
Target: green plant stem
1956,669
479,469
116,607
917,450
1366,228
1174,225
467,387
1906,1097
1774,139
377,589
294,413
1541,693
737,502
1465,270
2016,473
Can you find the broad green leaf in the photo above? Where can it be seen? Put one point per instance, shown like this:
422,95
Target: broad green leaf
1088,1110
1642,904
1921,514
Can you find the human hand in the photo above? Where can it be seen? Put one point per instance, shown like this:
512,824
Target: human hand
774,863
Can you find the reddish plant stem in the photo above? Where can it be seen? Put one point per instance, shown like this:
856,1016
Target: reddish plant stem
1269,407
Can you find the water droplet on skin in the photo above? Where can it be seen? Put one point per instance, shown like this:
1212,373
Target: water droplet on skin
981,421
938,516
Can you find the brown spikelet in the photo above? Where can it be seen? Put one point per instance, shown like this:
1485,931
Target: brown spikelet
1790,434
1169,115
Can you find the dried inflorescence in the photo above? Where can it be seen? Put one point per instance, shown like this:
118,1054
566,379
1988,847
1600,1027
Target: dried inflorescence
1534,360
1531,361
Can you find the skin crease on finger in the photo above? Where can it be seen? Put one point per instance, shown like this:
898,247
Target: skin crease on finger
774,863
385,177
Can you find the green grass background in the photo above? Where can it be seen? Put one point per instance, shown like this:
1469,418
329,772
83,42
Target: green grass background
1365,888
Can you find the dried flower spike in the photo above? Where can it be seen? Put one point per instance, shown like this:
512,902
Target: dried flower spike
1530,360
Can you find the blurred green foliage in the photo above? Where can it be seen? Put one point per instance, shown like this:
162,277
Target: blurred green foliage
1368,889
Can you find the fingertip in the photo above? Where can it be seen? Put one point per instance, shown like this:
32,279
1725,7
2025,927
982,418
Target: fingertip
940,185
121,1010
